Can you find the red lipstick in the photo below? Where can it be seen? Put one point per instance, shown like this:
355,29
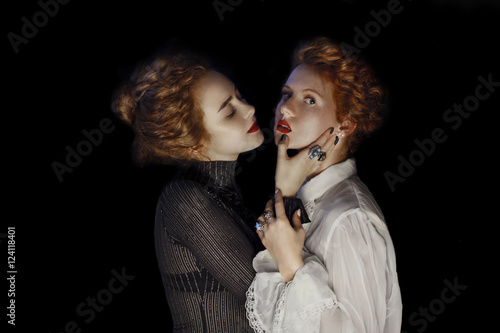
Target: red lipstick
283,127
255,127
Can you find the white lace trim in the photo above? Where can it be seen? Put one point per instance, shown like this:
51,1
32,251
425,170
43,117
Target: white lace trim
279,307
254,320
313,309
303,314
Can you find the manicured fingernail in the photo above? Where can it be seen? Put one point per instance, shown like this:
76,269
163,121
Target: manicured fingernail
298,212
331,131
336,140
276,191
283,137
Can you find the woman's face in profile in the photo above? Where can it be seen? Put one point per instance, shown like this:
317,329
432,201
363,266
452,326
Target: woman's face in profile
229,119
306,108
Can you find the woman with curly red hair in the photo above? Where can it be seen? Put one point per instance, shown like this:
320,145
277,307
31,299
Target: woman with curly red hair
338,272
183,113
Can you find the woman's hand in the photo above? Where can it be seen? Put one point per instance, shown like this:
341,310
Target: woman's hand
291,172
283,241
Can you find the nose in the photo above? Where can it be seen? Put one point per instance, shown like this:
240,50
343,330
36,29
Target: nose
250,111
286,109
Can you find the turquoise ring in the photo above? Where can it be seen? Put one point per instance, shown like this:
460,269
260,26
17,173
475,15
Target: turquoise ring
314,151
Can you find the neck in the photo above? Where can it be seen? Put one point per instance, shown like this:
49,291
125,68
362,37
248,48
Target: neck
212,174
328,162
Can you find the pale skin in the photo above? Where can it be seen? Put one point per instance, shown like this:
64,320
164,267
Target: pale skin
228,118
308,108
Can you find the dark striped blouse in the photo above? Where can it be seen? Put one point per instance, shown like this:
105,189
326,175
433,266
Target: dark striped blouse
205,249
205,243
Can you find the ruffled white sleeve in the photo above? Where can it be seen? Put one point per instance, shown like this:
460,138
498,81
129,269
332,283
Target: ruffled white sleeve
296,306
347,293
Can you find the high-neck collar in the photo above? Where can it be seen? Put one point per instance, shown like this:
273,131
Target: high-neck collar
219,174
327,179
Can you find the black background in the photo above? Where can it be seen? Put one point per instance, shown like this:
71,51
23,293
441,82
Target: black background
70,235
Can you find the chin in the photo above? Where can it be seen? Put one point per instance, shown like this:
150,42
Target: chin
260,138
257,140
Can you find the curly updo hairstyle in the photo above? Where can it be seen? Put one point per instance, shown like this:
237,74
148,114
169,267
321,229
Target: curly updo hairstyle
160,105
357,93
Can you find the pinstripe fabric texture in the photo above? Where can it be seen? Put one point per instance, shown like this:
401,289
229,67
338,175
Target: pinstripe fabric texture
205,243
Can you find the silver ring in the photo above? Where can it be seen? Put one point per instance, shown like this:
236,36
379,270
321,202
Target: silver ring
322,156
314,151
259,225
268,214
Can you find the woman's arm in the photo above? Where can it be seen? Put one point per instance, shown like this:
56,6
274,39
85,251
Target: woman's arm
282,239
359,271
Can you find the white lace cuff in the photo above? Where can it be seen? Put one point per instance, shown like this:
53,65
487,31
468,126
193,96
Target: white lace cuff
275,306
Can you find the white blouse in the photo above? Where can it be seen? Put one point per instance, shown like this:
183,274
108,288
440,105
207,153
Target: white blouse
348,282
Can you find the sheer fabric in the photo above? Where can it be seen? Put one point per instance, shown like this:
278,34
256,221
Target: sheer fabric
205,249
205,242
348,282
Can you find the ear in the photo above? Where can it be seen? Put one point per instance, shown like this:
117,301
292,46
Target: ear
198,152
347,127
195,151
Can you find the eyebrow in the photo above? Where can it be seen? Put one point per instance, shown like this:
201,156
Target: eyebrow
226,102
314,91
307,89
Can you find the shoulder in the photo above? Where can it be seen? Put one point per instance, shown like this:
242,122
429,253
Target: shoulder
352,198
180,189
179,195
184,206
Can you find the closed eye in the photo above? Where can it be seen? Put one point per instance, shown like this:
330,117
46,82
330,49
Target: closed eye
233,112
285,95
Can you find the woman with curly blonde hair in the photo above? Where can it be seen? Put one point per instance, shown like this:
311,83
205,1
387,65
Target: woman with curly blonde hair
338,272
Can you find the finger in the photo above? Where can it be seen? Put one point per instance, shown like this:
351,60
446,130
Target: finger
296,222
331,142
260,228
283,147
260,234
263,220
320,141
269,206
279,206
324,137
